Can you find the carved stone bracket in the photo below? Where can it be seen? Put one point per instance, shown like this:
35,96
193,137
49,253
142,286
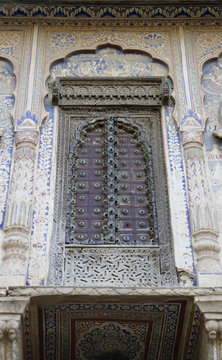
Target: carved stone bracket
185,277
211,308
18,216
201,208
9,328
11,341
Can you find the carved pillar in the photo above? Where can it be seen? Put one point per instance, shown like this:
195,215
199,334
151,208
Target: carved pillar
202,213
18,217
211,307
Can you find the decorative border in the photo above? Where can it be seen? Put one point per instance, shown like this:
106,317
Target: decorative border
118,23
174,309
115,11
191,346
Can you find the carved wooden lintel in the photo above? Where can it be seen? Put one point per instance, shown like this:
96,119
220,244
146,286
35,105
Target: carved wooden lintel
108,92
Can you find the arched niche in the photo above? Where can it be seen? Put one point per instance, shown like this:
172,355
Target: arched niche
7,87
212,89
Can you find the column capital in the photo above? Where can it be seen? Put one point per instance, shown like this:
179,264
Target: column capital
27,137
192,138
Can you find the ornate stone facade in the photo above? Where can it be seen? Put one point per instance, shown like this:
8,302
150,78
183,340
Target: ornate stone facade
61,68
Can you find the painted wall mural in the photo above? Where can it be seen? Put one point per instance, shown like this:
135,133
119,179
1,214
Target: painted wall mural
7,85
206,42
212,86
109,62
154,42
10,42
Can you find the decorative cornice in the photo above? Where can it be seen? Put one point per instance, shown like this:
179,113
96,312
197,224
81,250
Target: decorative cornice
111,10
132,24
109,92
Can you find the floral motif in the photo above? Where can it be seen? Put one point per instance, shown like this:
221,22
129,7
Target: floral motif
154,40
9,39
109,338
62,40
208,40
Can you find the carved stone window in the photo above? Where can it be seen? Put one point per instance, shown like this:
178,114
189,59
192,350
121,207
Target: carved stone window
112,223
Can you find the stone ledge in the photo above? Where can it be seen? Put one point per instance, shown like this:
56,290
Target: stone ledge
107,291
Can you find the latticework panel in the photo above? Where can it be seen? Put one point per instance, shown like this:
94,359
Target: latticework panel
112,267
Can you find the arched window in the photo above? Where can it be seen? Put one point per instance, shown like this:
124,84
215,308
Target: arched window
111,187
111,218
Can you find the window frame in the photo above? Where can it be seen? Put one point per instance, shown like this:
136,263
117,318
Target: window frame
76,108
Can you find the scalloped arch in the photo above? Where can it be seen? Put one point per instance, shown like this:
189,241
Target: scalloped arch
209,57
100,45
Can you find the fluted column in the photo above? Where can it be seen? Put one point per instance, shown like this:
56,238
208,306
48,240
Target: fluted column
202,213
19,208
